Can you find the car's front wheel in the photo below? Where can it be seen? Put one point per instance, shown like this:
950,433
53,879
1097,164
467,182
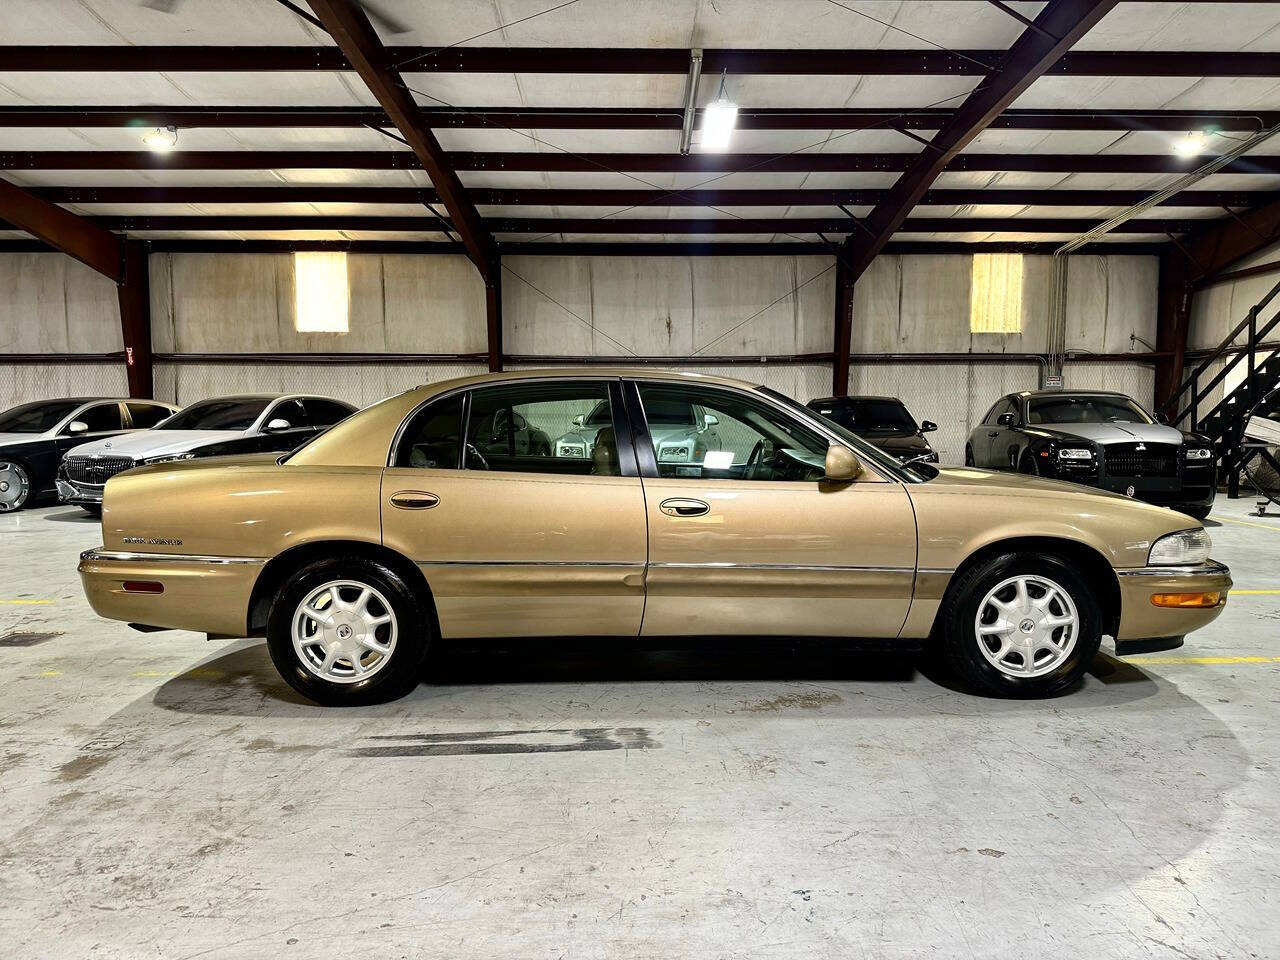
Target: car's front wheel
1021,625
15,486
1198,511
348,632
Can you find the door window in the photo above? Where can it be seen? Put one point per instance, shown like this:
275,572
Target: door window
102,418
564,428
432,438
144,415
325,413
712,434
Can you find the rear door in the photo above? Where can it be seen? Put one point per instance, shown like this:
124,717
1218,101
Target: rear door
519,535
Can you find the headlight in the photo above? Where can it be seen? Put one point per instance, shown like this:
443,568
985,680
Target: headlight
1199,453
676,454
1184,548
578,450
1075,453
170,458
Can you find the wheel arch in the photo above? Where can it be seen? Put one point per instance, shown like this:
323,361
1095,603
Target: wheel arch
1087,560
278,569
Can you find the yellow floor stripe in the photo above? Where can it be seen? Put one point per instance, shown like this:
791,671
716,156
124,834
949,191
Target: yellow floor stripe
1250,523
1139,661
1251,593
26,603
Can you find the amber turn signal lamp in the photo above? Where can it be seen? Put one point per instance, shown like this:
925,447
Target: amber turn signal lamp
1186,599
143,586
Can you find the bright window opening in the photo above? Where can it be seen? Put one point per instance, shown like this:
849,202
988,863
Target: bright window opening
321,298
995,299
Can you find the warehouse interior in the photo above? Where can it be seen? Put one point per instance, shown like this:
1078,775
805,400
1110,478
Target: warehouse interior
502,185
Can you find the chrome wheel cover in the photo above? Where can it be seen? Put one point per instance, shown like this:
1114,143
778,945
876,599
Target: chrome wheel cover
344,631
1026,626
14,486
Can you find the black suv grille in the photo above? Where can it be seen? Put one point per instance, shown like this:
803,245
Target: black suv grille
95,470
1141,459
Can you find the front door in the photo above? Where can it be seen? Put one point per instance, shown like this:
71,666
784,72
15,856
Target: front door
746,538
523,523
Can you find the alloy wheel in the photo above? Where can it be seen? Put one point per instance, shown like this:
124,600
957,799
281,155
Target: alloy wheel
344,631
1026,626
14,486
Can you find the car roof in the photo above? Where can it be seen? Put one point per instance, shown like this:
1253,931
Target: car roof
581,373
1072,393
857,396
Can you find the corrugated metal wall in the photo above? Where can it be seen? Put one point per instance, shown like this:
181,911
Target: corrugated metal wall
51,304
691,309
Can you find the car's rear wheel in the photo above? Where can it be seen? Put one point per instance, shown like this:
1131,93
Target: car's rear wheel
15,486
348,632
1021,625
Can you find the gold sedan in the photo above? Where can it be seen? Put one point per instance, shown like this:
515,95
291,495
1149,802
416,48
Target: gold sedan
624,503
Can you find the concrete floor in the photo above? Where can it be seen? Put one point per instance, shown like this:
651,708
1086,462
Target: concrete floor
161,795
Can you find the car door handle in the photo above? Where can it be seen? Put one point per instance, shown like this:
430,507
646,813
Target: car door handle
413,500
682,507
993,433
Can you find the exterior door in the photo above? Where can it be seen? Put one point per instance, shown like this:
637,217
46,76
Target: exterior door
519,535
747,539
993,437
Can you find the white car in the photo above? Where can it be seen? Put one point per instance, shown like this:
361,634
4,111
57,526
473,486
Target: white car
209,428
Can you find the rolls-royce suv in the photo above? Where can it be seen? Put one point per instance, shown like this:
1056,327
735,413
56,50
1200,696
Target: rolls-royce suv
1097,438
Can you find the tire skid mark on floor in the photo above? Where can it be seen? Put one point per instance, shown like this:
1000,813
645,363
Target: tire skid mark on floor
551,740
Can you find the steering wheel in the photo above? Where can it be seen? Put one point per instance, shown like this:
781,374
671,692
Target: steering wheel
473,452
762,450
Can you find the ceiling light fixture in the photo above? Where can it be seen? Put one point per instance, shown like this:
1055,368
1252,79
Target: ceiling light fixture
1192,145
718,120
162,139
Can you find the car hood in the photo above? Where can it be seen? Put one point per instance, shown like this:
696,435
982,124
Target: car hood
152,443
964,479
898,442
1104,433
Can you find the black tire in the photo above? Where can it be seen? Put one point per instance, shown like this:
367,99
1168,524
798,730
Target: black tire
92,510
17,472
968,456
961,644
1028,465
403,667
1199,511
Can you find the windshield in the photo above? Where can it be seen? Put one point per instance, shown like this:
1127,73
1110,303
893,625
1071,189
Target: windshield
1086,410
870,416
672,413
916,473
36,417
216,415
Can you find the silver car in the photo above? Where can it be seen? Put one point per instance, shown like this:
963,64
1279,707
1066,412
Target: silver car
681,432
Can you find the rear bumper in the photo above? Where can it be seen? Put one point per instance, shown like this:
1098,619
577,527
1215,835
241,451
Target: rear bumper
204,594
1142,620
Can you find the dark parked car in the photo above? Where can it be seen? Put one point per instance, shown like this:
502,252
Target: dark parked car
208,428
34,436
883,421
1098,438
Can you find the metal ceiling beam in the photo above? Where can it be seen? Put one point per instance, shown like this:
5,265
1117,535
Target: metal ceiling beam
564,196
615,225
1059,25
350,29
625,118
642,60
647,249
120,260
597,162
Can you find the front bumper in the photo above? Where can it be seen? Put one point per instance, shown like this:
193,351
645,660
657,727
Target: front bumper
1140,619
204,594
80,494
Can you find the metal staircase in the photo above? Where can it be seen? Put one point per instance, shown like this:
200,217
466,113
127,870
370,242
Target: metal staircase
1224,422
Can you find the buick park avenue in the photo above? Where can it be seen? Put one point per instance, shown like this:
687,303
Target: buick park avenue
433,516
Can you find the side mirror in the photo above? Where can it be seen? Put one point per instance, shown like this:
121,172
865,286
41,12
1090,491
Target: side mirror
710,419
278,425
842,464
928,426
579,420
1161,418
77,426
1005,419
